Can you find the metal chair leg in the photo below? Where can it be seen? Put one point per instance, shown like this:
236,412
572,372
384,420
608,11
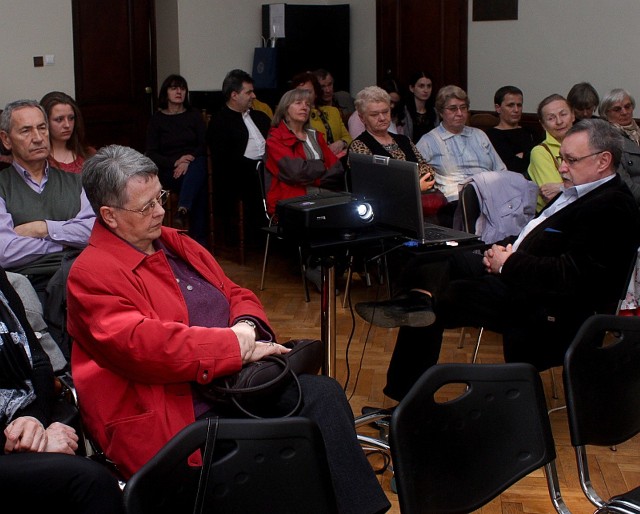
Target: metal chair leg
477,347
303,272
264,261
347,287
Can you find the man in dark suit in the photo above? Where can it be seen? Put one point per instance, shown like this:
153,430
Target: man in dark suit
568,263
236,138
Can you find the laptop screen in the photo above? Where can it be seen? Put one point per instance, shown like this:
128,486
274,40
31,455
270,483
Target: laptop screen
394,188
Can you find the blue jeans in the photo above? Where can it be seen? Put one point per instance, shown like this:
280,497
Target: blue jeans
193,196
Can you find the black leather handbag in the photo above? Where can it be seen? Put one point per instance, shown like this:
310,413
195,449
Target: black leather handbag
268,377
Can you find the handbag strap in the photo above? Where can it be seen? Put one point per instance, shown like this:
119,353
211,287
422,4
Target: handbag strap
294,410
553,158
207,462
286,368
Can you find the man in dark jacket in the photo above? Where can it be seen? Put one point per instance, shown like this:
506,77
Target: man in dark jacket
236,138
569,262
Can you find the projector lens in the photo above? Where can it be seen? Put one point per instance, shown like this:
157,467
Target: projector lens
365,211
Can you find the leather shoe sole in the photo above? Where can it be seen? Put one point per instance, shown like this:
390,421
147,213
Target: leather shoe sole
409,311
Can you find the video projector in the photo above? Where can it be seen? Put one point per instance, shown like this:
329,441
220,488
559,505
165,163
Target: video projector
321,215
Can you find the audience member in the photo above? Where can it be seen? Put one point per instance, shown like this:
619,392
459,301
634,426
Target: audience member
420,106
162,316
44,214
512,141
538,289
455,150
299,161
38,464
324,118
556,117
373,105
342,100
617,106
236,138
176,143
66,132
583,99
398,113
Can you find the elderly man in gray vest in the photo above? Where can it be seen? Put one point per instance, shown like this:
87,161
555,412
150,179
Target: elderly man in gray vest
44,212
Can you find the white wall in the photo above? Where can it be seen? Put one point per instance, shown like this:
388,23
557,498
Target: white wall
34,28
167,39
215,37
553,45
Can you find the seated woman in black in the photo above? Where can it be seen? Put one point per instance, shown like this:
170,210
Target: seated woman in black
176,143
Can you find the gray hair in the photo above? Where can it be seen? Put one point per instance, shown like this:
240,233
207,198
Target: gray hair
289,98
5,117
106,174
371,94
612,97
603,137
448,92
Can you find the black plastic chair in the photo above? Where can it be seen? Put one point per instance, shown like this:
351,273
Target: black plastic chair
455,456
265,465
263,182
602,389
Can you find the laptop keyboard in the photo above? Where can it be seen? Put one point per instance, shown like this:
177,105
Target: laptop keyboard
432,234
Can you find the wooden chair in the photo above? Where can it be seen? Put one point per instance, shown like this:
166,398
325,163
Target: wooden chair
483,120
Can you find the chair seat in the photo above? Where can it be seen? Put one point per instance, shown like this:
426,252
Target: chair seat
627,502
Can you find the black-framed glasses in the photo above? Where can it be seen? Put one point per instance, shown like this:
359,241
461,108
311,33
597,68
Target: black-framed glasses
148,209
574,160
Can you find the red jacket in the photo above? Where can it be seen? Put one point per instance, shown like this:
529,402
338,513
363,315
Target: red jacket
135,355
291,172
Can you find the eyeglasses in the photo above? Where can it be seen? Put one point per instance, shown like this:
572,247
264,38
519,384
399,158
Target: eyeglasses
571,161
455,108
619,108
148,209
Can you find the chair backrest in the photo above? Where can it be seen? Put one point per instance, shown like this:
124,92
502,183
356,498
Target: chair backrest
265,465
470,205
455,456
602,382
483,120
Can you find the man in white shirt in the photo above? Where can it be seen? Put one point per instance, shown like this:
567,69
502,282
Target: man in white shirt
570,262
236,138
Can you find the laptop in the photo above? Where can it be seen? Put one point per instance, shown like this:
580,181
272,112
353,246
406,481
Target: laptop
393,187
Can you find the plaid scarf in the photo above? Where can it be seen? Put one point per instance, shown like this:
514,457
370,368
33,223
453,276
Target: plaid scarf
16,390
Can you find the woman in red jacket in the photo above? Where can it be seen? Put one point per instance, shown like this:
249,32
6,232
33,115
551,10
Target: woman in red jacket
299,160
161,316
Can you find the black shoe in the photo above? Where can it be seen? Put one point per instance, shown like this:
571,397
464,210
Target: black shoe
181,219
412,310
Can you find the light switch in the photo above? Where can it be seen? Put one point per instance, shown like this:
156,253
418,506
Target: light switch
49,60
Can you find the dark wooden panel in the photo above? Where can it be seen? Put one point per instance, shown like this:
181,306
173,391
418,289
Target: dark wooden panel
429,35
114,52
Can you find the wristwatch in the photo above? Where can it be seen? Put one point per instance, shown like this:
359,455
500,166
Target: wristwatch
248,322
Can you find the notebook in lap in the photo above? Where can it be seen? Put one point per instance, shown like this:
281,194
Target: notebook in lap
394,188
